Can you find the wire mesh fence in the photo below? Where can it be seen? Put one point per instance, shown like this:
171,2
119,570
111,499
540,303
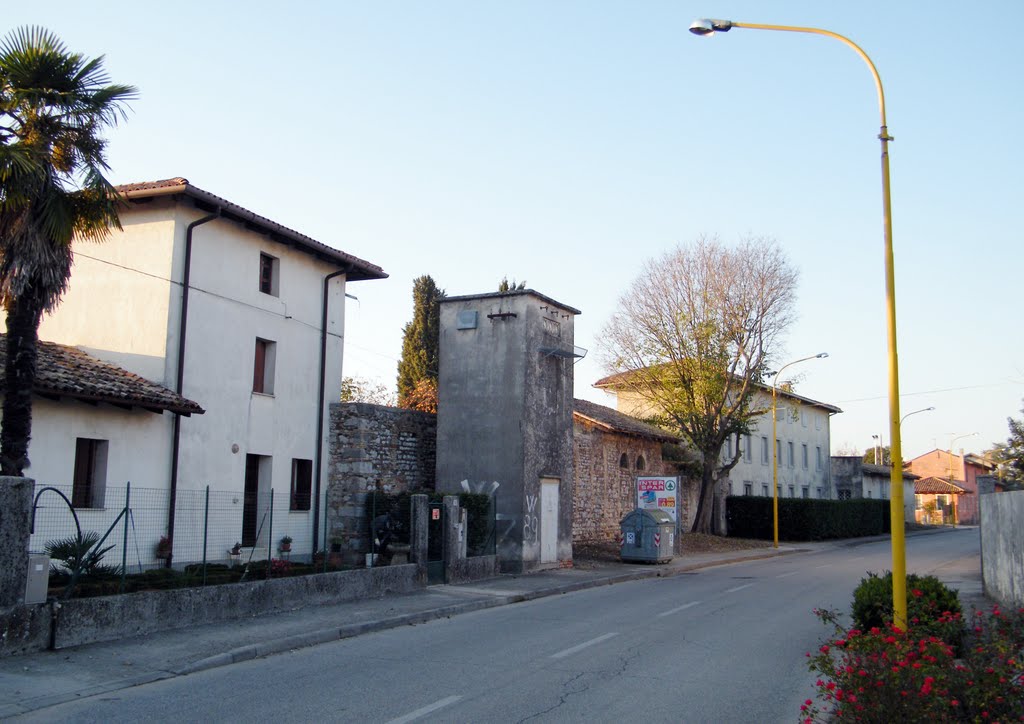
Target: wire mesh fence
126,532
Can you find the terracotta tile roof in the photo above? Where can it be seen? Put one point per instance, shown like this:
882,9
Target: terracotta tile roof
937,486
616,380
63,371
359,269
614,421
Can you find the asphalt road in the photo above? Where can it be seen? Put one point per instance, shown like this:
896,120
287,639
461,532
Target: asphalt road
725,644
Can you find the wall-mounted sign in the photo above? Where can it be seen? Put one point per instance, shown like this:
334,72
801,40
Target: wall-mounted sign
658,494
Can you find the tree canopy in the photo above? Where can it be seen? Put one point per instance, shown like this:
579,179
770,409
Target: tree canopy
420,339
54,105
1008,457
363,389
869,456
511,286
692,339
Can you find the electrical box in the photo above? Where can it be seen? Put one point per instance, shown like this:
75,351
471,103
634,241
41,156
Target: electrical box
37,582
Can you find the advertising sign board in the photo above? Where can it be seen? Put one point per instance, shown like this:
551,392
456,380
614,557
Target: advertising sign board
658,494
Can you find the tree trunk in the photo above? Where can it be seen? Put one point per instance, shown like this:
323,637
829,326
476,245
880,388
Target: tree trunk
23,317
703,522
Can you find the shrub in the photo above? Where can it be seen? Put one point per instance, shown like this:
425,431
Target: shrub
885,674
928,599
79,553
750,516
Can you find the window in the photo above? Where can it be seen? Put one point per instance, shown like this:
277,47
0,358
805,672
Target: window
819,492
263,368
803,418
748,488
624,461
817,422
844,494
302,484
792,491
764,489
778,452
803,455
778,490
806,492
639,462
90,481
817,453
748,448
764,451
870,494
728,448
269,275
789,453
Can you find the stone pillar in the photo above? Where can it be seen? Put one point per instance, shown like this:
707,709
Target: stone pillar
419,518
15,524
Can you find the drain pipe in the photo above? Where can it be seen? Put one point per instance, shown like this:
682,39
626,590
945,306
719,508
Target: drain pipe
318,465
180,380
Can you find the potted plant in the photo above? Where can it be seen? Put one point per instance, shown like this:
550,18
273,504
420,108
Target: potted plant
236,549
285,544
163,548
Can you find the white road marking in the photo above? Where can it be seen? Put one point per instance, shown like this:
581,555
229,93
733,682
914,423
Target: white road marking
580,647
738,588
677,609
787,575
423,711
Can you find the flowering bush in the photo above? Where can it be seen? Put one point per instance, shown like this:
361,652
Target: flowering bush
886,674
928,599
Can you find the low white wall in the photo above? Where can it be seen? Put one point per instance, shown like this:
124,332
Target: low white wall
1002,546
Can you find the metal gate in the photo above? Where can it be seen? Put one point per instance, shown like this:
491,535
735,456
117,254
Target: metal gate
435,543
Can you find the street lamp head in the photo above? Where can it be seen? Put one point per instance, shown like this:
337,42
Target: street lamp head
821,355
707,27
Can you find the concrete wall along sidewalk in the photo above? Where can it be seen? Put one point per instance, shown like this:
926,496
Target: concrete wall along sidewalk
1002,546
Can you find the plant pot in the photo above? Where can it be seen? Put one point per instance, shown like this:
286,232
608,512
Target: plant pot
285,548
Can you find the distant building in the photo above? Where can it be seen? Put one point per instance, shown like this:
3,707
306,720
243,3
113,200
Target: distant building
960,470
855,479
802,444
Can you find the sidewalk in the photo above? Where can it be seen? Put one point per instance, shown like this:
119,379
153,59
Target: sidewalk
39,680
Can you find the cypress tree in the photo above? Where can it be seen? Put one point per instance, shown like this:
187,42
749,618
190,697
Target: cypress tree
420,338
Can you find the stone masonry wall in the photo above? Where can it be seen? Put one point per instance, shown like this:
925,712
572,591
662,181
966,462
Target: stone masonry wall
605,491
373,448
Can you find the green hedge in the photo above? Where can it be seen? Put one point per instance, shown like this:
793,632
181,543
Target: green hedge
479,537
750,516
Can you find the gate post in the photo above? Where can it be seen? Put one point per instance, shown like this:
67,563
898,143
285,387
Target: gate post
454,538
15,530
419,514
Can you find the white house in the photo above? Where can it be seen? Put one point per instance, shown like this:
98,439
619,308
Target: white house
802,443
242,315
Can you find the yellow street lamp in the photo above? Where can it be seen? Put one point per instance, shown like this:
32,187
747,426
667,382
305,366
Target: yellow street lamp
775,446
923,409
707,27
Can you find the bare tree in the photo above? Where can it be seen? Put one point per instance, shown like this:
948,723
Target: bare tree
692,339
363,389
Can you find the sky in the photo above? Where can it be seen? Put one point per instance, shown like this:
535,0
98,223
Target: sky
566,143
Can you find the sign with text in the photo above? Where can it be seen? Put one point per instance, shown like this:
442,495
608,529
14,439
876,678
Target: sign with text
657,494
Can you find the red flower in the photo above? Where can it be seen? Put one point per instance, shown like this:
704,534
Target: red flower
917,593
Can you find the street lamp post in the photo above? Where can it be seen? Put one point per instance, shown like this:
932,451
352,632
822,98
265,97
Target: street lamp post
775,446
956,514
707,27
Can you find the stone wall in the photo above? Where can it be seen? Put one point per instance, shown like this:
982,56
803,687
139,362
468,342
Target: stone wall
373,448
606,491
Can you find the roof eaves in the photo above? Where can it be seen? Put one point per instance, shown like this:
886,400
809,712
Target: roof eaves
358,269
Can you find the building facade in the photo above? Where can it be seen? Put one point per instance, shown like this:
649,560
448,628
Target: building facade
960,470
244,316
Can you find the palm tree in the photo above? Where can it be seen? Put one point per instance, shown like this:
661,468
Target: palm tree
53,106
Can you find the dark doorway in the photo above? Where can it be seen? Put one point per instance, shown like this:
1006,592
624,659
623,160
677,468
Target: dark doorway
250,500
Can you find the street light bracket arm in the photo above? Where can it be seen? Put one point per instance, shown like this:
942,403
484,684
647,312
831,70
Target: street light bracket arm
884,135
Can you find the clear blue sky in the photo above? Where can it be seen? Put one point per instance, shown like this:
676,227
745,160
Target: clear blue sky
566,142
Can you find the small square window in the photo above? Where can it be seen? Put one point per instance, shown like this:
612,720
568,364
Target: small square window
263,366
90,478
269,267
302,484
748,488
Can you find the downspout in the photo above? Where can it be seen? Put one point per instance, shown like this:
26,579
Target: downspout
318,464
180,379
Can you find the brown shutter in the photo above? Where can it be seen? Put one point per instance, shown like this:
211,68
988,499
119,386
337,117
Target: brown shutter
258,373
